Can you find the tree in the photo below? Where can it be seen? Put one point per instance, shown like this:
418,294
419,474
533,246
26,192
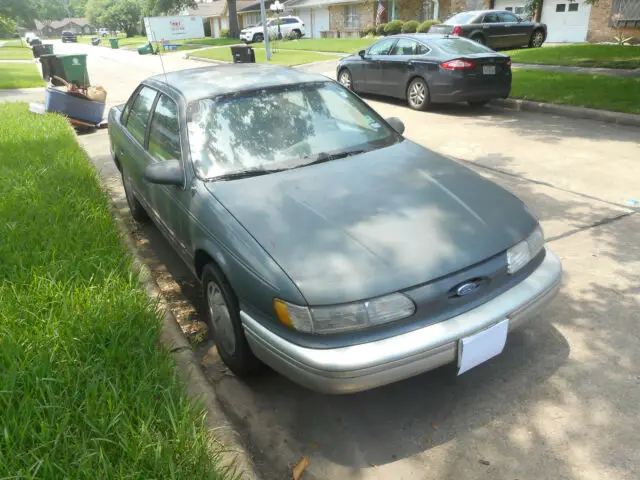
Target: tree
234,31
159,7
77,8
23,12
7,27
52,10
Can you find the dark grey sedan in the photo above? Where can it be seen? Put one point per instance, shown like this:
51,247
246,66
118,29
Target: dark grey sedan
426,69
327,245
494,28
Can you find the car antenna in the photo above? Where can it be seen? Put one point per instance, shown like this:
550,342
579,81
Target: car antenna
153,36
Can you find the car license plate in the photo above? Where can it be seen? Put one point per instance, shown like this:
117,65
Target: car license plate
480,347
489,69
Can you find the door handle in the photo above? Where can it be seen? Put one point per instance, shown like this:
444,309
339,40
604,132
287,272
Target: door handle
485,26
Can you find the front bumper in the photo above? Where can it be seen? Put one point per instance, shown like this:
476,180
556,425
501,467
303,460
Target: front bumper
247,37
369,365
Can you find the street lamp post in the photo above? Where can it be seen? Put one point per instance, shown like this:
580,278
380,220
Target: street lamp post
265,30
277,8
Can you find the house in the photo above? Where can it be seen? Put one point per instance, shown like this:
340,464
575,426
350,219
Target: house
54,28
217,12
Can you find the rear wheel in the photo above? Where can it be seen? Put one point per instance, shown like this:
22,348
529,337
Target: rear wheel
478,103
537,39
223,318
258,38
135,207
418,94
345,79
480,39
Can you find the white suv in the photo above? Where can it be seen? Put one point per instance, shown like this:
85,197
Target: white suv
288,25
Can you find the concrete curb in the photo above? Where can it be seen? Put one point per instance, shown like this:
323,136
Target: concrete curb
567,111
234,455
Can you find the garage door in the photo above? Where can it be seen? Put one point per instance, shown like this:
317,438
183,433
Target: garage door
305,16
566,21
320,21
515,6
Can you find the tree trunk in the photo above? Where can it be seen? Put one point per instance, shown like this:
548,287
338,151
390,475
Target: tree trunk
234,31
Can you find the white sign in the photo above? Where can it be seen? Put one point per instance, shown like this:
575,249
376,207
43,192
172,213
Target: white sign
482,346
165,29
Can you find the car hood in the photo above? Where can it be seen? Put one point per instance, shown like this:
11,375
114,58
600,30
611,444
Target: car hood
375,223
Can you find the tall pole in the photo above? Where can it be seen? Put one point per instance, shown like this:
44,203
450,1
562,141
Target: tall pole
265,29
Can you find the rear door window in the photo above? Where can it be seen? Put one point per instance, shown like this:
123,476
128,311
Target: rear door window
138,117
491,18
408,47
508,18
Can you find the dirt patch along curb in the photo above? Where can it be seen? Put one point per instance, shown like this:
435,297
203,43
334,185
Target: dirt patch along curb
568,111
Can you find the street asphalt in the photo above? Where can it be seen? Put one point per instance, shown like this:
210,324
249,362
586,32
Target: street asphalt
561,402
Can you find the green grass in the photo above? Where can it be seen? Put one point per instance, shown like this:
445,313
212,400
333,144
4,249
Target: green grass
19,75
281,58
214,42
123,41
583,55
14,42
338,45
85,390
15,53
594,91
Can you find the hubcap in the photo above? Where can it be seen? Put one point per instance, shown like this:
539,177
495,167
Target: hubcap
345,80
220,318
537,39
417,94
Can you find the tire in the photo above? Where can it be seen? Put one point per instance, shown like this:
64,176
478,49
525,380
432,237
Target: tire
258,38
418,94
478,103
479,39
223,319
135,207
537,39
345,79
296,34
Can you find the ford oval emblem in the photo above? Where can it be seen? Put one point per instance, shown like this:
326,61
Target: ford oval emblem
467,288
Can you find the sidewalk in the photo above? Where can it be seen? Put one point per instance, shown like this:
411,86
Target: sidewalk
611,72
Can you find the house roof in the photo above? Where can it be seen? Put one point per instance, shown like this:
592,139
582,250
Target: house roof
55,24
316,3
213,9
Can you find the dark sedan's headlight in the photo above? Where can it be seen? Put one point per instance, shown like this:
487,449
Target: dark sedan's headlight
522,253
346,317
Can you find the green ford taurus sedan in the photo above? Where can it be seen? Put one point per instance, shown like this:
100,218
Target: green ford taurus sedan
328,246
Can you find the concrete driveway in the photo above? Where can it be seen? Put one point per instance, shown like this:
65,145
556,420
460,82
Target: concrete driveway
561,402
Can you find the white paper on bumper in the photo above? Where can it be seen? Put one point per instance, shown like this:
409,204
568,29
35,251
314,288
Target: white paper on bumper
482,346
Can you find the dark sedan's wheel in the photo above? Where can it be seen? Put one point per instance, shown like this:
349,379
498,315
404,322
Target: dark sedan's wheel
345,79
258,37
478,103
223,318
418,94
480,39
537,39
135,207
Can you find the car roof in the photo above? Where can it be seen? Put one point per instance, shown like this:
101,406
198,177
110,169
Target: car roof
207,82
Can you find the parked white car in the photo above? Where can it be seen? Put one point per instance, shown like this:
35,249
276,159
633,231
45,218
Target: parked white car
103,32
287,26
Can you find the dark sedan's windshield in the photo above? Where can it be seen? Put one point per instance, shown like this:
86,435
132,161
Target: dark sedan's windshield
461,18
274,129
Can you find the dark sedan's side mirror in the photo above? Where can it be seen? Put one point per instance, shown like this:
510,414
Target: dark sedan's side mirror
361,53
167,172
396,124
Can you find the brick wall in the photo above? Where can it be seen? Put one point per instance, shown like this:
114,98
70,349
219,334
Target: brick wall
599,29
448,7
366,15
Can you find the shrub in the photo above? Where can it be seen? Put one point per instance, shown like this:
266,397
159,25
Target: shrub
225,33
380,29
426,25
393,28
410,27
291,35
366,31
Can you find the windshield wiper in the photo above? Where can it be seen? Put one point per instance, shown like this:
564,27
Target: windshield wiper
326,157
253,172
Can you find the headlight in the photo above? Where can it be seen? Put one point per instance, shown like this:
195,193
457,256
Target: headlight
347,317
522,253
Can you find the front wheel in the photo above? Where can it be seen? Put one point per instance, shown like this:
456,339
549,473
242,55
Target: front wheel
345,79
223,318
418,94
258,38
537,39
479,39
135,207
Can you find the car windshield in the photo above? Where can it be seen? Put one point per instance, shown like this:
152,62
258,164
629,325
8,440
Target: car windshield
275,129
460,46
461,18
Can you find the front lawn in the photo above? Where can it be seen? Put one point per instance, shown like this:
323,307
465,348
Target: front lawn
582,55
15,53
283,57
594,91
85,390
19,75
338,45
14,42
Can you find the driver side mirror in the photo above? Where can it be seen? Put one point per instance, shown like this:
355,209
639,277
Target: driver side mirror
396,124
167,172
361,53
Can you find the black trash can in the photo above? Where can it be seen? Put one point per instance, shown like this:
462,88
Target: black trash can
95,41
42,49
243,54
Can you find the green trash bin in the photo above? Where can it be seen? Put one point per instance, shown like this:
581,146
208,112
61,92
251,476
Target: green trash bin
145,49
113,42
72,68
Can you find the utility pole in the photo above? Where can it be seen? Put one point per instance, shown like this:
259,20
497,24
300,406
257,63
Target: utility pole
265,30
